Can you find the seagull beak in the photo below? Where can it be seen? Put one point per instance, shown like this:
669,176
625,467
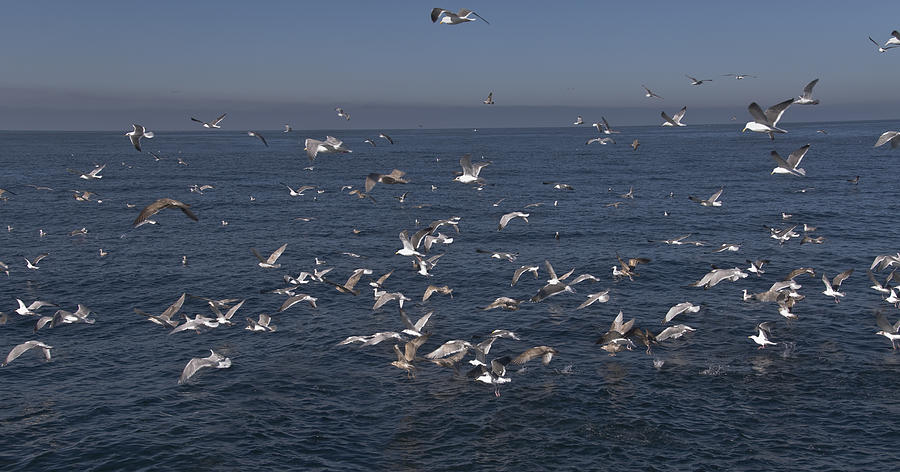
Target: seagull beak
745,129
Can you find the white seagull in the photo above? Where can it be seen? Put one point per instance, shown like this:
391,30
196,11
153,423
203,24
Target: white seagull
648,93
269,263
763,330
341,113
832,287
21,348
712,201
579,120
136,134
767,122
470,171
892,137
789,166
881,48
697,81
331,144
213,360
214,124
674,120
806,98
450,18
684,307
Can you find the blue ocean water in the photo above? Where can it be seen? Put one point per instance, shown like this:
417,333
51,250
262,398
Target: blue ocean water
823,398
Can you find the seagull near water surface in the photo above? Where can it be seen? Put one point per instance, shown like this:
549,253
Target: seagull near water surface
449,18
767,122
213,124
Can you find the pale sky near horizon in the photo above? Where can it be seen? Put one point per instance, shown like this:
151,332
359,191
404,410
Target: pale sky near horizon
104,65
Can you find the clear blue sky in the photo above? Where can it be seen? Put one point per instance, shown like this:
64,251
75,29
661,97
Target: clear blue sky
103,65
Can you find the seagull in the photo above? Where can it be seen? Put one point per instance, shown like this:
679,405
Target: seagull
30,309
696,81
603,141
165,319
499,255
880,47
287,128
603,127
411,245
299,191
756,266
674,120
505,219
388,138
405,358
635,144
506,303
806,98
789,166
331,144
450,18
195,324
214,124
93,174
373,339
162,203
341,113
546,354
382,298
348,287
489,100
712,201
728,247
625,267
832,287
599,297
136,134
521,270
32,264
648,93
395,177
470,171
302,297
717,275
579,120
895,38
21,348
261,138
431,289
674,332
214,359
684,307
767,122
264,324
887,329
764,330
496,376
739,76
269,263
892,137
225,318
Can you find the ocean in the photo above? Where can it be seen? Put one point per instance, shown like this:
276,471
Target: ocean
822,398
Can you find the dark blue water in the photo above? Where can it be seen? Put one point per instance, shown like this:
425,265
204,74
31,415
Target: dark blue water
824,398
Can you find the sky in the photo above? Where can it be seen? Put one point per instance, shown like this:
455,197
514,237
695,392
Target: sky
103,65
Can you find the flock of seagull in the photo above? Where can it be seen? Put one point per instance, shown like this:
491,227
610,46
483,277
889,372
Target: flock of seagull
417,250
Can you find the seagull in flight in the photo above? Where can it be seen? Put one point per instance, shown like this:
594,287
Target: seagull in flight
269,263
767,122
470,171
712,201
674,120
136,134
789,166
261,138
342,114
806,97
648,93
832,287
697,81
489,100
763,330
450,18
892,137
880,47
287,128
579,120
331,144
739,76
21,348
215,360
162,204
214,124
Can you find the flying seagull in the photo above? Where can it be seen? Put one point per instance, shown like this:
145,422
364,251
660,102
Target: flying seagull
767,122
879,47
261,138
136,134
21,348
832,287
739,76
489,100
603,127
887,329
684,307
162,204
382,135
712,201
892,137
806,98
763,330
648,93
470,171
214,124
697,81
505,219
215,360
287,128
341,113
269,263
331,144
579,120
789,166
395,177
604,140
450,18
674,120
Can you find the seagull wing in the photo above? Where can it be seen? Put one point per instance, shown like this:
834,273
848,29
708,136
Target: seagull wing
220,118
774,112
136,141
757,114
275,255
668,119
716,195
807,91
537,351
257,254
874,42
479,16
796,156
678,116
413,345
883,323
173,308
780,161
436,13
887,136
312,147
466,163
160,204
841,277
193,366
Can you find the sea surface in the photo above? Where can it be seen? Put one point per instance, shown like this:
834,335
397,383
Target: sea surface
825,397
